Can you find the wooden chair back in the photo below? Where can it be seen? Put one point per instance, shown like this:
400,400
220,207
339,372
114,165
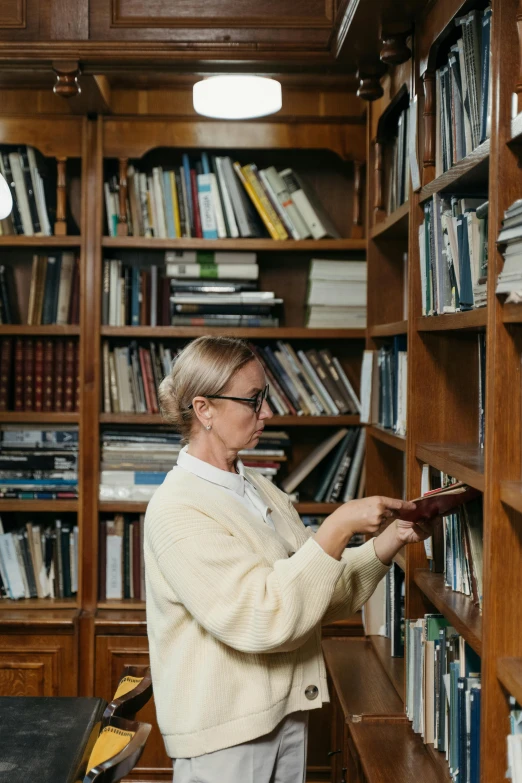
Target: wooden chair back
133,692
116,751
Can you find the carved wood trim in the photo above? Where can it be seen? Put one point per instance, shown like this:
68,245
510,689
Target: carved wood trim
123,228
18,16
378,176
428,158
119,19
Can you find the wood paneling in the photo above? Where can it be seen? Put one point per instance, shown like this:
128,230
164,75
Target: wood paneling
38,664
12,13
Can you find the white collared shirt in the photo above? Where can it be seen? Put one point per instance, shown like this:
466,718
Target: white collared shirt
235,483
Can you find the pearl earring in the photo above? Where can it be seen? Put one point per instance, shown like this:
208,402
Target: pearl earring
209,426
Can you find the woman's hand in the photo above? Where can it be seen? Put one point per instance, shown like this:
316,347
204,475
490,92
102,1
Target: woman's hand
397,535
413,532
367,515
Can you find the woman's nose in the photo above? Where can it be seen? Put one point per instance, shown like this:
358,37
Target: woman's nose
265,412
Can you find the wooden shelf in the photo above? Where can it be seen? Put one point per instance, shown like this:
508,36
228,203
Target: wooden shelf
464,462
439,759
53,330
16,240
388,330
511,494
469,319
400,559
51,506
279,333
126,603
259,245
46,604
394,226
275,421
38,417
394,667
388,437
509,672
457,608
470,172
512,313
139,507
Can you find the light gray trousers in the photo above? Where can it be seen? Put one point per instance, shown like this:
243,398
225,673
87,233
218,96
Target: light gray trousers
278,757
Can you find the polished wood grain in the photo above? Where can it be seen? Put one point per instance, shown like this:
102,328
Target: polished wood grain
470,172
509,671
51,506
394,225
465,463
390,752
38,417
512,314
275,421
53,330
469,319
15,240
37,604
394,667
387,436
511,494
389,329
280,333
254,245
361,684
458,608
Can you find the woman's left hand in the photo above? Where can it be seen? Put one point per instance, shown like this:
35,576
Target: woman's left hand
413,532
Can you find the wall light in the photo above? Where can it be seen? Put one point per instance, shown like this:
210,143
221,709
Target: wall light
237,97
6,199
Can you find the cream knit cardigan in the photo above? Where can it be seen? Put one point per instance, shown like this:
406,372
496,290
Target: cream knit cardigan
234,612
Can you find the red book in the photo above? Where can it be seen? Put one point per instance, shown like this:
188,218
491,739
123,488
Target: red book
6,357
48,391
77,375
146,388
74,307
145,298
150,383
136,560
195,204
440,502
28,388
69,377
38,374
19,375
59,369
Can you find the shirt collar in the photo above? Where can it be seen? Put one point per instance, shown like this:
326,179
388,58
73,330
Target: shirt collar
232,481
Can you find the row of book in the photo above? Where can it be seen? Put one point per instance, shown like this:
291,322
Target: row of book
213,197
398,164
453,241
383,613
338,479
122,569
39,374
443,693
39,464
135,461
384,386
301,382
510,279
337,294
463,92
456,546
22,169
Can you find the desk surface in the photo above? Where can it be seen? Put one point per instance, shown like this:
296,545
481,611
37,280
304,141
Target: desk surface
47,739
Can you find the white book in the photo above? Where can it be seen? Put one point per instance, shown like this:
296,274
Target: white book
153,295
299,228
144,204
355,468
318,224
11,566
227,202
206,207
21,194
278,207
346,383
367,370
422,260
209,257
222,271
218,209
17,539
335,271
39,195
114,581
337,294
244,297
64,288
159,203
306,402
322,392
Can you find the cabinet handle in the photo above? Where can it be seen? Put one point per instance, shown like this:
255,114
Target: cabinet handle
343,773
333,752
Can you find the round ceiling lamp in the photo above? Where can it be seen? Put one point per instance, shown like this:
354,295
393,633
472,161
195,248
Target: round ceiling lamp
6,199
237,97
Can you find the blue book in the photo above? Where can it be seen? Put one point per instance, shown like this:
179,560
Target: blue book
474,741
150,477
135,296
169,209
454,745
188,187
466,284
206,207
39,482
205,163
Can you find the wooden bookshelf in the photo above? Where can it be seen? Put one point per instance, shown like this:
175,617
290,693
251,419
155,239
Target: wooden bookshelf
254,245
275,421
280,333
53,330
512,314
511,495
393,226
394,667
458,608
387,436
35,242
469,319
388,330
470,173
51,506
38,417
465,463
509,672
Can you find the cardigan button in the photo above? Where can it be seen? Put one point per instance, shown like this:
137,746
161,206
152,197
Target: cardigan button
312,692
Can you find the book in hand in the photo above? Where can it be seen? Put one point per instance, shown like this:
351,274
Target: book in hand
440,502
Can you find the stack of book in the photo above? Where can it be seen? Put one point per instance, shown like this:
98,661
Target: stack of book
24,171
514,742
337,295
38,464
399,165
213,197
38,562
122,570
338,479
443,693
456,547
132,375
134,462
463,92
39,374
453,254
510,279
384,376
383,613
48,293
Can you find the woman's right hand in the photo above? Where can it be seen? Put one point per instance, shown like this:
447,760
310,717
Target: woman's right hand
368,515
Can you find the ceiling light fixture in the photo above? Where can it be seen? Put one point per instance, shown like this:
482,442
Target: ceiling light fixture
6,199
237,97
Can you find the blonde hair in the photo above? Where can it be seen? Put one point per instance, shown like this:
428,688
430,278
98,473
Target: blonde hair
205,366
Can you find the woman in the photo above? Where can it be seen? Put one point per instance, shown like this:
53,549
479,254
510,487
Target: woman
237,588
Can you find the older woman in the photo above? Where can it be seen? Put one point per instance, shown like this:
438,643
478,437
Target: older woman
237,588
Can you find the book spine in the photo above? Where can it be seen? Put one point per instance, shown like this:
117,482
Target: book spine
69,377
206,207
28,380
38,374
59,370
246,181
65,288
198,231
6,361
18,390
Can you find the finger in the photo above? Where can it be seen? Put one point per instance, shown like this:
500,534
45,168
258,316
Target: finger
419,530
398,505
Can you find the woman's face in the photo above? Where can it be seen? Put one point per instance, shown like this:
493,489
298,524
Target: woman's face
236,424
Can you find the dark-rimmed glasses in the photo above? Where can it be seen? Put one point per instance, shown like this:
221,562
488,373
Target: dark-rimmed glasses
256,402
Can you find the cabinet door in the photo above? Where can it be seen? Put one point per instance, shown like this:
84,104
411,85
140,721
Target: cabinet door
319,740
112,654
38,665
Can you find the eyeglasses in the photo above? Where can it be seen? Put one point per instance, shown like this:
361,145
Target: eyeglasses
256,402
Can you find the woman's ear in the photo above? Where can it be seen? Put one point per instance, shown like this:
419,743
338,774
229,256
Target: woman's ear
202,410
